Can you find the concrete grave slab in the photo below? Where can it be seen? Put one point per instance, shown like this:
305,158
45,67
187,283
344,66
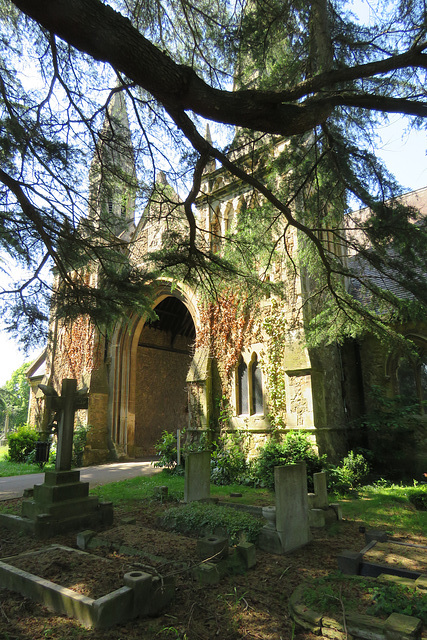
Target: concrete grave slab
142,594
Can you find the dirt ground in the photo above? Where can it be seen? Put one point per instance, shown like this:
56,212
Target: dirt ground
250,606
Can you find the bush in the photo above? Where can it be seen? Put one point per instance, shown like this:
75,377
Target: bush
166,448
21,443
351,473
419,500
296,447
228,461
79,442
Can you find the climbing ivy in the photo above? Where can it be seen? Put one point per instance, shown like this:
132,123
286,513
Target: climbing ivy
274,325
225,323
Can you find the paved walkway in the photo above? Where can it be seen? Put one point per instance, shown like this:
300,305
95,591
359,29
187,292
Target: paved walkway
14,486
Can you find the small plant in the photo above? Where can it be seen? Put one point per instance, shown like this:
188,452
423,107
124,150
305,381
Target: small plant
350,474
396,598
228,461
22,443
166,448
331,593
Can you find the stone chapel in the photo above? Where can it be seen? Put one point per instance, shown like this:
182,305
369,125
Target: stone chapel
149,376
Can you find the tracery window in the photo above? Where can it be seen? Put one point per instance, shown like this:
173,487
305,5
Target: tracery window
410,377
249,387
243,387
216,231
256,395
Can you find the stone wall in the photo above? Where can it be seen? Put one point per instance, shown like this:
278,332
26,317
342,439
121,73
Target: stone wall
161,399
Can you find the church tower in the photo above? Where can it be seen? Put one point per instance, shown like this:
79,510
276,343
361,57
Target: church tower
112,176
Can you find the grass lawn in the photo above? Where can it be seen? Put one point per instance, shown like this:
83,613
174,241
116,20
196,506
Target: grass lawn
141,488
15,468
377,507
387,507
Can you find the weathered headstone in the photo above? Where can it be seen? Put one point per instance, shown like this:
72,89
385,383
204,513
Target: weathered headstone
290,483
320,490
291,527
197,476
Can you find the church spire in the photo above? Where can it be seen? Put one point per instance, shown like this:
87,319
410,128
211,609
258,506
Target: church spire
112,176
211,165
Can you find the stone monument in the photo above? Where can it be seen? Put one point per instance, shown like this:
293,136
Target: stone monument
197,476
62,502
291,529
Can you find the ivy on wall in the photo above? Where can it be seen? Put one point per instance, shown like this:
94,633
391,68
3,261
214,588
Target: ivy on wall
79,354
274,326
225,324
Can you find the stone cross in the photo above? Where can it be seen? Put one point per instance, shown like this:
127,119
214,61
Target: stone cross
65,405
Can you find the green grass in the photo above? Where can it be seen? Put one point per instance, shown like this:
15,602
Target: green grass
386,507
140,488
378,507
15,468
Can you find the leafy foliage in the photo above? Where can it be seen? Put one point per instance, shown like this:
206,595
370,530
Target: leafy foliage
331,593
312,74
202,518
295,447
389,432
419,500
14,398
22,443
79,441
351,473
229,462
166,448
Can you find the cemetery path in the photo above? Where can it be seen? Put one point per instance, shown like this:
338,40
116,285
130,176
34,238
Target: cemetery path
14,486
253,606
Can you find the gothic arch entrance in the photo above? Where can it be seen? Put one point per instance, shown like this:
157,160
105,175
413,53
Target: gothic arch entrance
149,365
165,351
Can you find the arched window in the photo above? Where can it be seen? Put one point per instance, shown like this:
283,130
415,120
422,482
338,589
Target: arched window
257,395
411,379
216,231
410,376
242,387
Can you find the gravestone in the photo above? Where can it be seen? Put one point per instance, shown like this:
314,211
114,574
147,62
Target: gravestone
62,502
320,490
197,476
290,483
291,529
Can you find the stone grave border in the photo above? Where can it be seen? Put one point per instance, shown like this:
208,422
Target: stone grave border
141,595
396,627
352,563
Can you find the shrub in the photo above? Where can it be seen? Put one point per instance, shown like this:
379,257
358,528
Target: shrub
166,448
21,443
228,461
79,442
351,473
296,447
419,500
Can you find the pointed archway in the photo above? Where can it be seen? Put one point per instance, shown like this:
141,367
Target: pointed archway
164,354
